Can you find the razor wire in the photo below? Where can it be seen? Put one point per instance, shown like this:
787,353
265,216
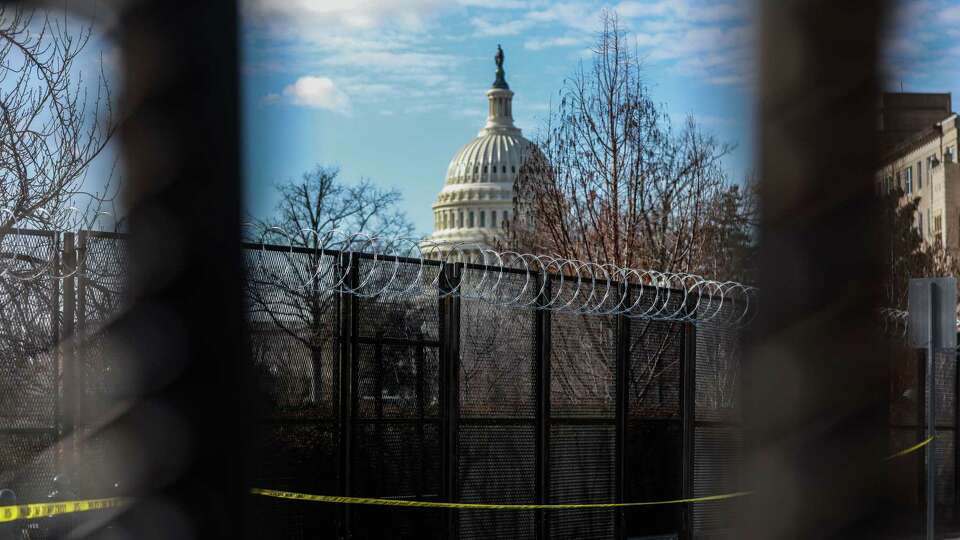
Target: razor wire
23,254
896,322
537,281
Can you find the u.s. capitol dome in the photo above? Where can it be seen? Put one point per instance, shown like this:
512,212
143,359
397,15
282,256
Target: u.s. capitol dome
476,201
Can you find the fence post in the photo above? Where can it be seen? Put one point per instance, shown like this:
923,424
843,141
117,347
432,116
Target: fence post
80,307
450,372
956,434
688,387
347,331
66,264
542,411
921,430
622,389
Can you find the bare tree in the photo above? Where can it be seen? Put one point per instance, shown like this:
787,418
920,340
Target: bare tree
56,119
289,289
616,183
909,254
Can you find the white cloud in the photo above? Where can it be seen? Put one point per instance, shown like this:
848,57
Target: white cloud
950,15
575,15
505,28
643,9
349,14
495,4
547,43
318,93
919,48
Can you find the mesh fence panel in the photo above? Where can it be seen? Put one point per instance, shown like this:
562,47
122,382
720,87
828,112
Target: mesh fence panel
653,436
29,329
496,465
581,470
293,328
396,434
582,433
718,434
496,447
717,468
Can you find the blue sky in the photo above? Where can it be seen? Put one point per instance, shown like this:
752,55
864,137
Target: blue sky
389,89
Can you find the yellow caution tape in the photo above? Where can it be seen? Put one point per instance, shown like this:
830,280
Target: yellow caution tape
39,510
912,449
476,506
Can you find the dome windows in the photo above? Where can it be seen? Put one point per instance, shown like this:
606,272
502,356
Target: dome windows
483,218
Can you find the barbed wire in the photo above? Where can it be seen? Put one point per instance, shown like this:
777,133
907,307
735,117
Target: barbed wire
506,278
503,278
896,322
25,256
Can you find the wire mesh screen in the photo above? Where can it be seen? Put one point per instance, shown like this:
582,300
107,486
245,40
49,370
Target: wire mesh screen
101,286
582,433
29,330
496,445
293,325
653,444
945,445
396,402
718,433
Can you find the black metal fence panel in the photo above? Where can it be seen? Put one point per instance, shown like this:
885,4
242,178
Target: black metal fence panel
496,438
29,363
416,386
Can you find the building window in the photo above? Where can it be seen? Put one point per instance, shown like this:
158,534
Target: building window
493,218
919,175
937,224
889,184
483,218
470,219
460,218
908,180
920,223
484,169
506,217
899,185
513,168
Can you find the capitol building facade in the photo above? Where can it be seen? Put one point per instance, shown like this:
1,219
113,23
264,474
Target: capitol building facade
476,201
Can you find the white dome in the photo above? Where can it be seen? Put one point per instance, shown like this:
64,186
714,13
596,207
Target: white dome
491,157
477,198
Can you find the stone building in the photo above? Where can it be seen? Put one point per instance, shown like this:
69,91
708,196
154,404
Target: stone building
476,201
924,165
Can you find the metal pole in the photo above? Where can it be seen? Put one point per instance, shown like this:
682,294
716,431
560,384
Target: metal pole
347,320
688,378
622,374
542,418
931,417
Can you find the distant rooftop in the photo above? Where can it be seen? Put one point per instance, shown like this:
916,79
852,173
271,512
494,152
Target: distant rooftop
902,115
